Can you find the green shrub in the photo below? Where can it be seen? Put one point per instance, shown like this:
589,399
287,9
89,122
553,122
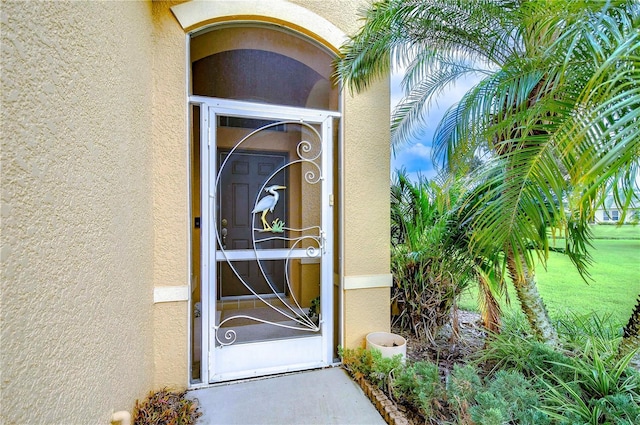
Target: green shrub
369,364
522,354
419,384
544,357
430,260
603,390
520,397
586,381
382,367
583,333
516,349
509,397
357,361
489,410
462,386
622,409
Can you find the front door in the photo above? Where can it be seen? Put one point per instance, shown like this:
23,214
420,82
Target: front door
267,245
242,178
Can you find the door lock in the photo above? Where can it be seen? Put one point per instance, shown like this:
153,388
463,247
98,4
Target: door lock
223,232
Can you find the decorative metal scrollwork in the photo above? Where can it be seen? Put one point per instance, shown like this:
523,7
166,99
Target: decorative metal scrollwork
310,239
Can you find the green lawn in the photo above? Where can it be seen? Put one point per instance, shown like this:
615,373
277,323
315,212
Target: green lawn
606,231
615,277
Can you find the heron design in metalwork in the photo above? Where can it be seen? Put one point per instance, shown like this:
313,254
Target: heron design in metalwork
266,204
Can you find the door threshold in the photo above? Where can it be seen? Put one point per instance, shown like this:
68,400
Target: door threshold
202,386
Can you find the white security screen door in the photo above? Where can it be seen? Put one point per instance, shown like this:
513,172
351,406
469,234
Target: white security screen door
267,236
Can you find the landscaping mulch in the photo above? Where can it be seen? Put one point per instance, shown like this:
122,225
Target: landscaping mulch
451,345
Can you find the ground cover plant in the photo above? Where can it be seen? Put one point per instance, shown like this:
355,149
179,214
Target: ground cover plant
515,379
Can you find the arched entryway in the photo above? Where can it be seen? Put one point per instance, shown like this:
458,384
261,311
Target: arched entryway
265,119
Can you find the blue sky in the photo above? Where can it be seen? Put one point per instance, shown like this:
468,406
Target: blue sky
415,157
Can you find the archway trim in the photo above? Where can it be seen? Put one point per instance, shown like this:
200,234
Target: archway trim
195,15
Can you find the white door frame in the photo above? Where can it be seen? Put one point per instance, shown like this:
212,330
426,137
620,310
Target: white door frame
276,356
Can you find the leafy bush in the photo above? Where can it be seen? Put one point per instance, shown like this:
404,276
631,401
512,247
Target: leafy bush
382,368
357,361
584,382
165,407
603,390
462,386
516,349
583,333
419,384
369,364
509,397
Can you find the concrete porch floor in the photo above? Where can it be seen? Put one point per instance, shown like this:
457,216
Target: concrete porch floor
326,396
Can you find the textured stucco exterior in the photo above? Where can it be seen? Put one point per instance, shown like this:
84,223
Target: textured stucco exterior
77,228
171,195
95,205
367,311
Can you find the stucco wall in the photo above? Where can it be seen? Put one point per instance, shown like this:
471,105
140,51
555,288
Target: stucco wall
341,13
77,229
367,311
366,175
367,216
171,195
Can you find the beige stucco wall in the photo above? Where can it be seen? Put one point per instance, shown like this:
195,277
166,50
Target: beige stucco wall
171,195
366,215
367,311
77,210
95,197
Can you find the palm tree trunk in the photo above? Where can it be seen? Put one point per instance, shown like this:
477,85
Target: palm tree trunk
489,306
631,333
531,303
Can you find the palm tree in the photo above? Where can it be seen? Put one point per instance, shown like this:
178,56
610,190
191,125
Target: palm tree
557,112
430,261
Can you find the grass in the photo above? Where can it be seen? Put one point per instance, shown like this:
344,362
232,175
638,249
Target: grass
614,284
607,231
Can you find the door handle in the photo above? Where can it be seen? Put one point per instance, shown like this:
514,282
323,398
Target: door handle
223,232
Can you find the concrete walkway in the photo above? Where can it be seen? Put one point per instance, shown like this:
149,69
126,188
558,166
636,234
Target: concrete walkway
326,396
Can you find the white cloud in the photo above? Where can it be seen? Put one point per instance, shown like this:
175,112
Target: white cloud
418,150
416,158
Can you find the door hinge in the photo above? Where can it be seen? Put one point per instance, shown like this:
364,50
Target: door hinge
331,200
